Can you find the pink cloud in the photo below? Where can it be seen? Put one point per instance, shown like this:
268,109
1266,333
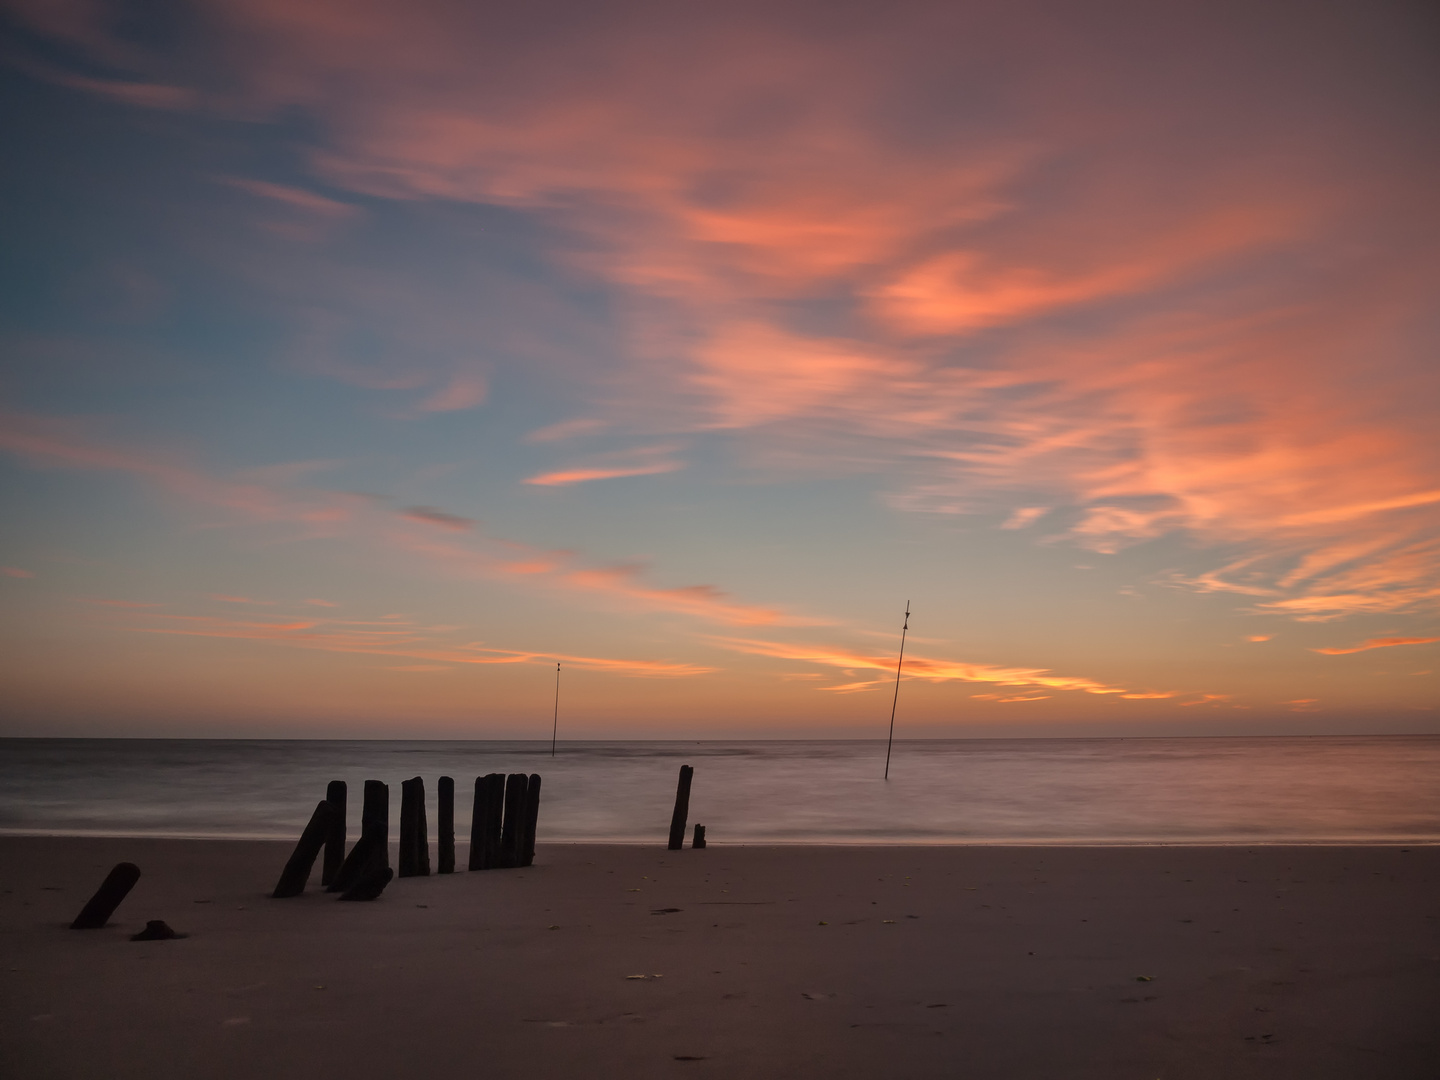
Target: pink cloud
1167,304
16,572
463,391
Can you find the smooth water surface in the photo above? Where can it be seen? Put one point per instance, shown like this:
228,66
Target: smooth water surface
1365,789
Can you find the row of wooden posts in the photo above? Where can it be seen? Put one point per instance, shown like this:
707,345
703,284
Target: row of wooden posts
502,834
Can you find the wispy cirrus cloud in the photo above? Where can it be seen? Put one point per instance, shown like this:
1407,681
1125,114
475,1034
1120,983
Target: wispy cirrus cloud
642,461
399,637
431,516
916,667
1376,643
51,442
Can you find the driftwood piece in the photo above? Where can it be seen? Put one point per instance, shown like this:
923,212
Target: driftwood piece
530,821
302,859
445,824
682,809
699,840
414,834
335,794
102,905
513,827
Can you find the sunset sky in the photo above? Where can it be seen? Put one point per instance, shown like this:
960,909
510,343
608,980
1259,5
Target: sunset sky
360,361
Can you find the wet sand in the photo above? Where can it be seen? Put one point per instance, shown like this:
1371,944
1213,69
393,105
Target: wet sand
1171,962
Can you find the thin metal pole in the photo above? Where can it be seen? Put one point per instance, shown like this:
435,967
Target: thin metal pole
896,699
555,727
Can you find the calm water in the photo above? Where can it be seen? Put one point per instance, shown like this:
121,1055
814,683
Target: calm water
1355,789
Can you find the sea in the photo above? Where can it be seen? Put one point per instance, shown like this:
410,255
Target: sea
1282,790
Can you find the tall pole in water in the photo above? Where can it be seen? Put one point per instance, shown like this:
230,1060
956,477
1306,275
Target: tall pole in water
555,726
896,699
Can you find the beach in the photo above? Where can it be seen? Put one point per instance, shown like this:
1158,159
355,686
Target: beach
757,961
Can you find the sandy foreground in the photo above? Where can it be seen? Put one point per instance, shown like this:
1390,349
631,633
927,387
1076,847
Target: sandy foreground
758,962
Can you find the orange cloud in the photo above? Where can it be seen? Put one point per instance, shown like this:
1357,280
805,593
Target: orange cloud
566,477
643,461
1377,643
398,638
916,667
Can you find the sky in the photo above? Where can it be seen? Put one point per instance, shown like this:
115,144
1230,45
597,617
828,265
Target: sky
360,362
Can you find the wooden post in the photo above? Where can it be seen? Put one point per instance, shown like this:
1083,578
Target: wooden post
479,821
414,835
335,840
532,819
485,821
699,840
682,809
376,812
513,826
102,905
302,859
370,885
408,854
445,824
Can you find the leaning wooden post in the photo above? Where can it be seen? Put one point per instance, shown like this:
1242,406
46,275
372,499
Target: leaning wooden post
414,836
102,905
699,840
335,840
513,827
445,824
302,859
531,820
368,855
682,809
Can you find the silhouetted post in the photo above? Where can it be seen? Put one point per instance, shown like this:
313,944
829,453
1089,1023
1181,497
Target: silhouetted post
302,859
376,812
445,823
368,854
414,834
335,841
531,820
682,809
485,821
513,827
699,840
370,884
102,905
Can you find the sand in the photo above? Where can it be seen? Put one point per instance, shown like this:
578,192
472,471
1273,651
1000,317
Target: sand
1167,962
